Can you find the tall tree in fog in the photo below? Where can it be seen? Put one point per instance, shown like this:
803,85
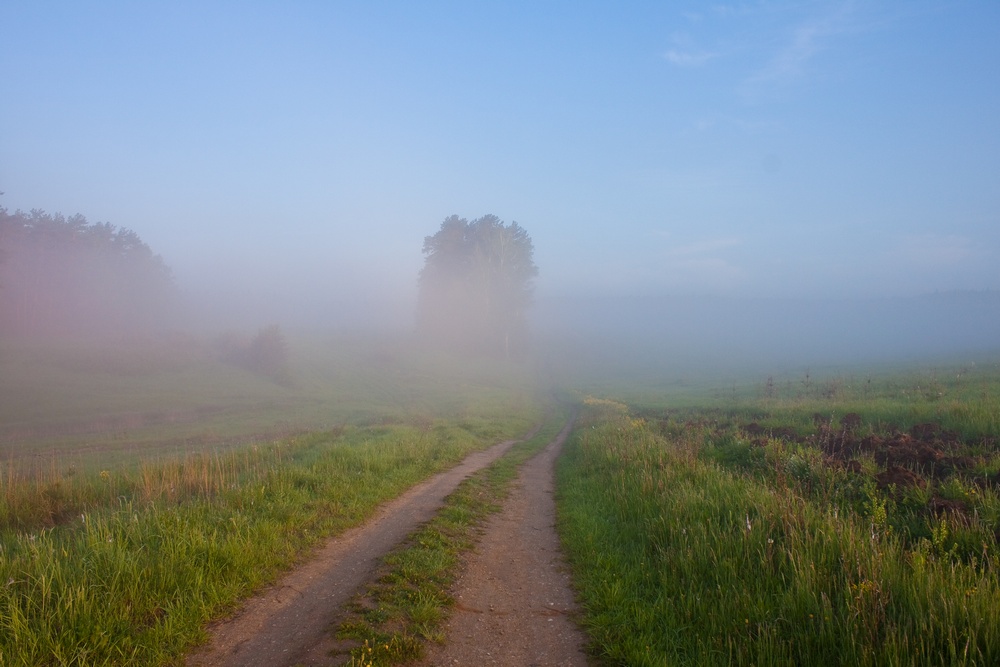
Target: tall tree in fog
476,284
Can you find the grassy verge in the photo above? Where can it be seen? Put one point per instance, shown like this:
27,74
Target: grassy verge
698,540
126,567
405,608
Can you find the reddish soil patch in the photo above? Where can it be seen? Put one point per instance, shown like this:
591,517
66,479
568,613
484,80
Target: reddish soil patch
899,478
926,449
911,459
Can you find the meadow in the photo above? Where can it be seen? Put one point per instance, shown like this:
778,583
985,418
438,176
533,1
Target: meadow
846,519
118,545
85,404
845,516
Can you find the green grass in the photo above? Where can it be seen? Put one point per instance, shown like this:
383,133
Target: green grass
133,580
405,608
144,490
692,545
121,555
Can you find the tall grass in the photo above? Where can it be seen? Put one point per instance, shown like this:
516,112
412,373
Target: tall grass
682,560
126,567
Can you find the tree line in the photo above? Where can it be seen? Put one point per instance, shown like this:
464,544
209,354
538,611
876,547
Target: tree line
66,277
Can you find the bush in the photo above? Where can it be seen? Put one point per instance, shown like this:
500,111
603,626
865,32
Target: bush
266,354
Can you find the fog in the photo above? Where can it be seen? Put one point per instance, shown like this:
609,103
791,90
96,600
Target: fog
686,336
318,302
670,332
760,186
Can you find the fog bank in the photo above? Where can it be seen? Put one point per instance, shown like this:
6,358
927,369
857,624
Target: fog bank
689,332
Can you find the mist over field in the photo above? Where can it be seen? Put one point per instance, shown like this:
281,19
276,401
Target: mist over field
757,185
776,333
123,292
102,283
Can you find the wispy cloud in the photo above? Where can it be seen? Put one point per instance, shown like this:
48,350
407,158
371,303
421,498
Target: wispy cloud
684,51
790,62
689,58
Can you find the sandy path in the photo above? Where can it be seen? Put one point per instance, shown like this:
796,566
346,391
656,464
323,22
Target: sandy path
290,622
514,602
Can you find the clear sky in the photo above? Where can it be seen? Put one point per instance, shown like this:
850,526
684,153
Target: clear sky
751,148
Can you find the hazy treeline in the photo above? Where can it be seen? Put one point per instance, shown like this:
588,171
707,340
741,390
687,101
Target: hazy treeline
65,277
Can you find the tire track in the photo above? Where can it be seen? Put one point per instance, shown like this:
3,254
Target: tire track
514,602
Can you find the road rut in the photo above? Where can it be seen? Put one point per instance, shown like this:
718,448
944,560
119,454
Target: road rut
514,602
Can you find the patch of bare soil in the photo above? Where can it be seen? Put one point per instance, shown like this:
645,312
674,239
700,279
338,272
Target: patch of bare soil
292,622
926,454
514,601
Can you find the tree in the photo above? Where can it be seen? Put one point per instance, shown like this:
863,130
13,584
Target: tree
477,283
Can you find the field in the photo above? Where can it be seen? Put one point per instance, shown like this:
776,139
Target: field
851,519
119,543
845,515
85,404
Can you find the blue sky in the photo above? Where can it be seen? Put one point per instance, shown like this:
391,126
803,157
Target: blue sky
753,148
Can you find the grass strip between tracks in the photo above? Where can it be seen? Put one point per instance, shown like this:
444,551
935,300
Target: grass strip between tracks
408,603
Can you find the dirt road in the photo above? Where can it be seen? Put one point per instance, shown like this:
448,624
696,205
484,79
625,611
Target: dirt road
513,597
514,603
289,623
